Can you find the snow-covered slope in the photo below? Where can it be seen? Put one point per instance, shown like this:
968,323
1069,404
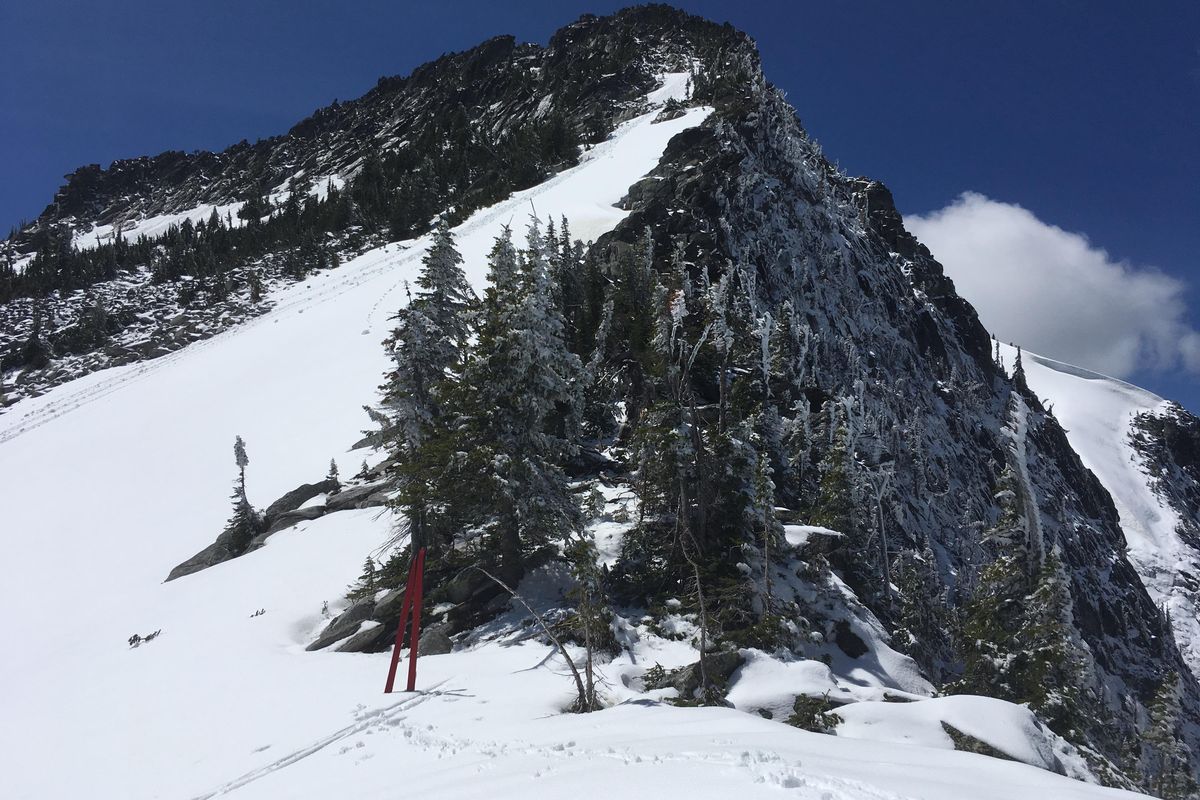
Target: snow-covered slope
110,480
1098,414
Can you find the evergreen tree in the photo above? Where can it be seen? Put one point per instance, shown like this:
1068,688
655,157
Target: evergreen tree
990,618
444,295
836,507
428,346
1171,775
924,621
334,477
245,522
368,583
242,460
1049,667
523,404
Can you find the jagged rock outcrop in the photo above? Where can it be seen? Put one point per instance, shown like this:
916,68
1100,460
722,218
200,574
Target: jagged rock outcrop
220,551
344,624
285,512
887,337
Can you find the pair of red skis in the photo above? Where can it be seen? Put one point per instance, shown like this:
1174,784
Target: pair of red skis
411,605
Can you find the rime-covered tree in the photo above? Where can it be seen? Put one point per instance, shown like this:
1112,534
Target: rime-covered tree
1049,665
515,413
1171,773
428,349
924,620
531,379
445,296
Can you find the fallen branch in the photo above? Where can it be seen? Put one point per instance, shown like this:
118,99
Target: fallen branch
582,703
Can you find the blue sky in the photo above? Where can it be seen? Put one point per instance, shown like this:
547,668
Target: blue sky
1074,124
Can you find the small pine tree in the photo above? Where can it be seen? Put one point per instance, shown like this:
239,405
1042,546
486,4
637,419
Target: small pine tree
334,477
836,508
245,523
368,582
592,615
1171,776
242,460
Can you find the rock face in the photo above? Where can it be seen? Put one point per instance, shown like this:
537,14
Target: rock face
219,551
289,518
1168,442
298,497
284,513
888,342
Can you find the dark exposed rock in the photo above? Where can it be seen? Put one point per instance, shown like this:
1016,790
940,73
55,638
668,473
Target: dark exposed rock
298,497
848,641
290,518
589,461
718,667
435,640
366,496
344,624
372,639
219,551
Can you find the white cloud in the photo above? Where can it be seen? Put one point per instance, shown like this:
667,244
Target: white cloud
1055,293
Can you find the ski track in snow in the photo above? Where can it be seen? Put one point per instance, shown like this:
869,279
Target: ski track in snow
761,767
388,715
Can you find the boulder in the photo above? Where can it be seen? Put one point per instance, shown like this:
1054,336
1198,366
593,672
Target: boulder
848,641
366,496
435,640
344,624
718,666
369,640
298,497
388,607
220,550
